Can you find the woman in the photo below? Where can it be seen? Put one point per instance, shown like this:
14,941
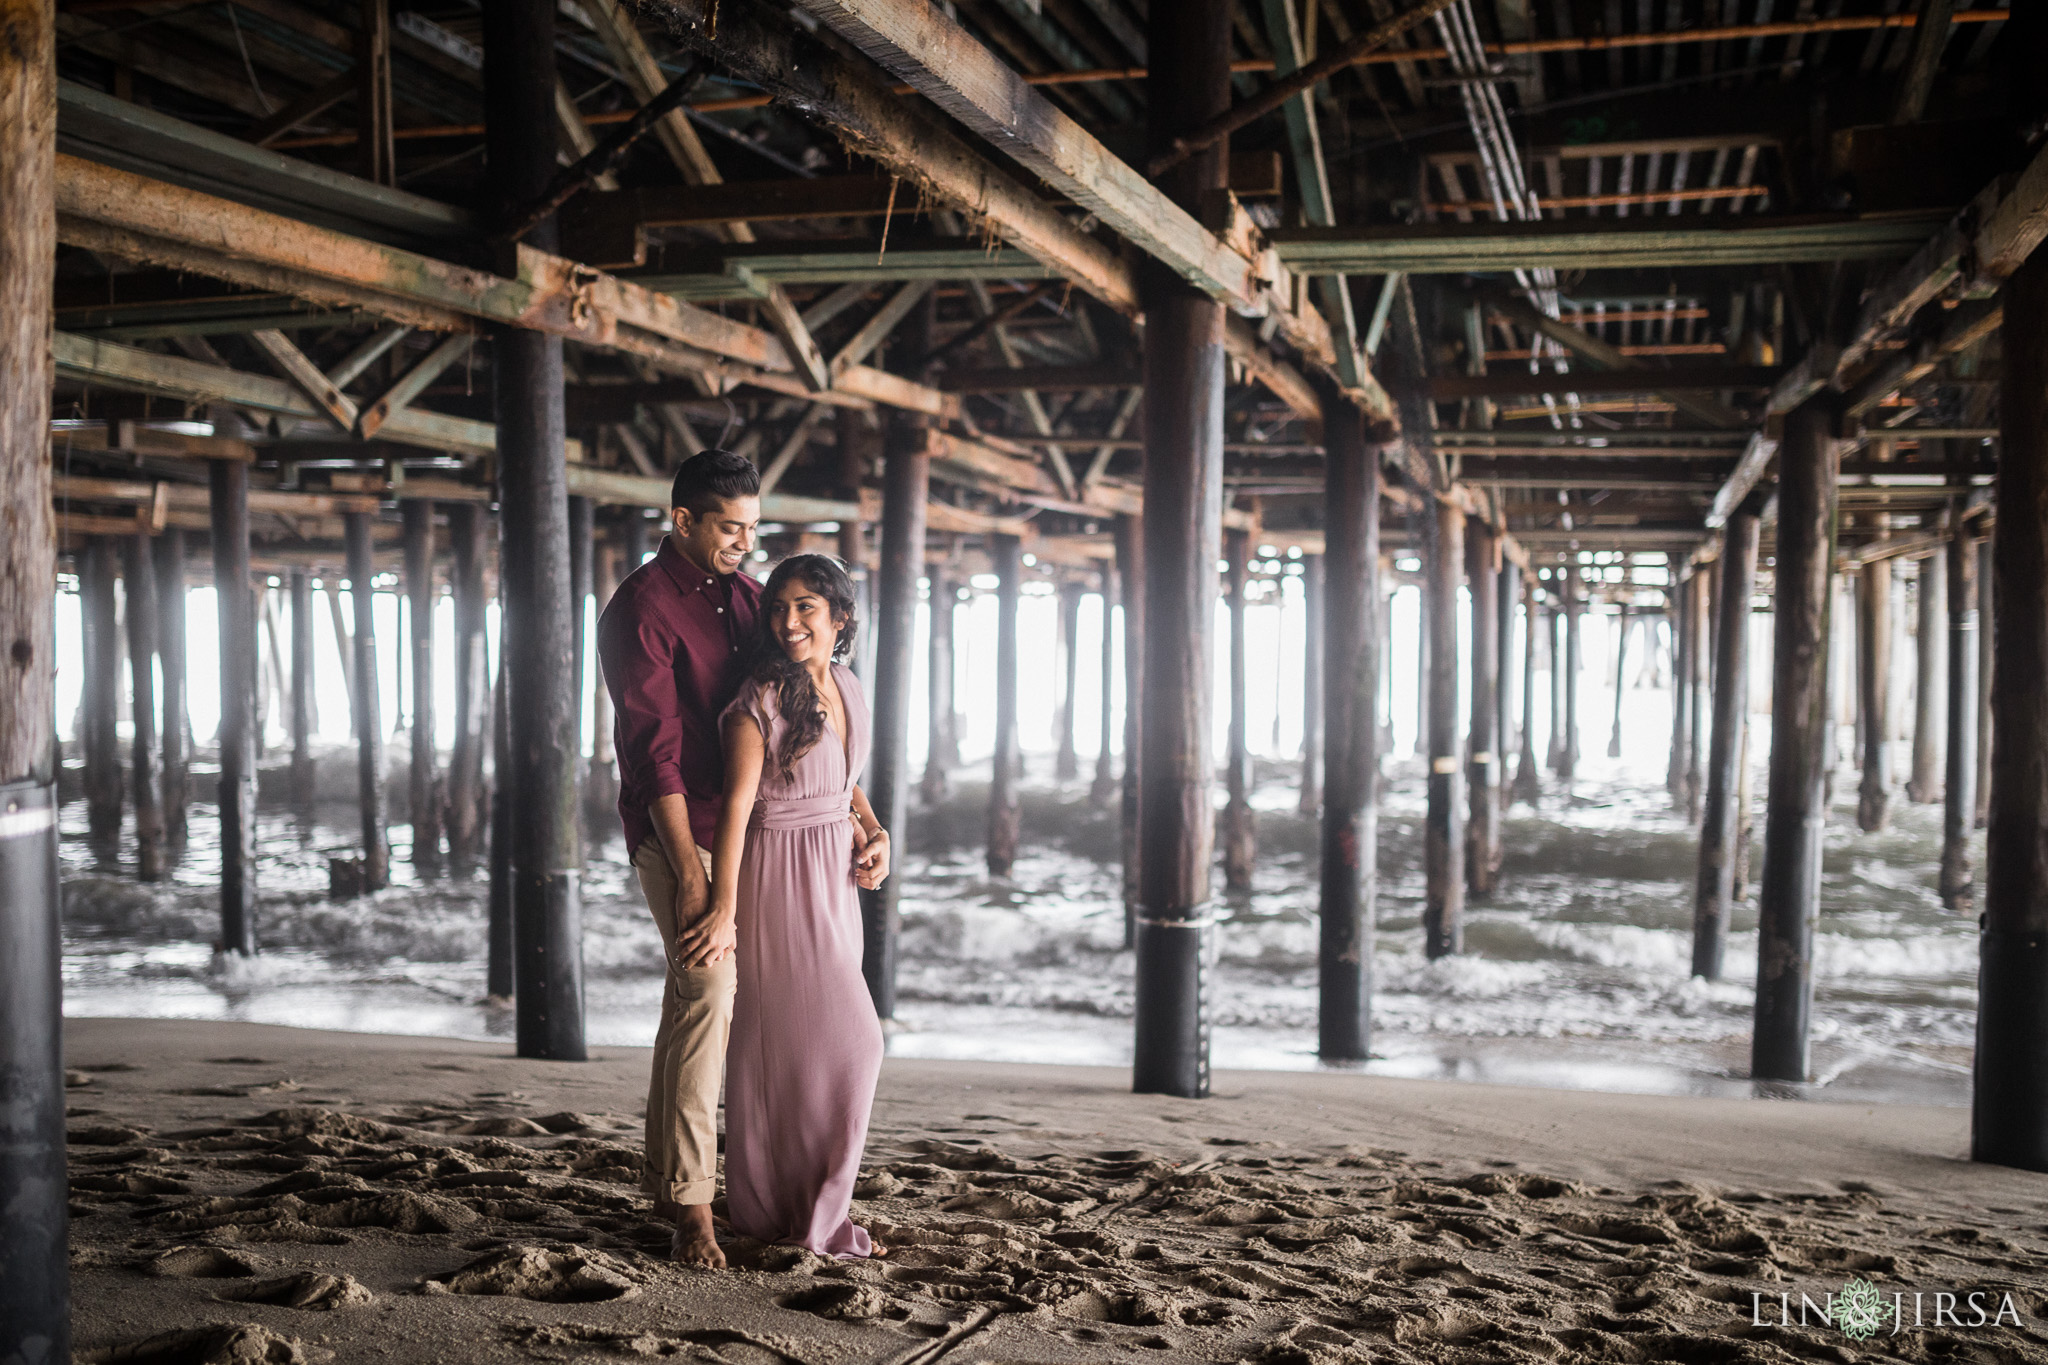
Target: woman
806,1047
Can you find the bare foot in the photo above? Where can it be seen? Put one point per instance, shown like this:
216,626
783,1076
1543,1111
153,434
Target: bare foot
695,1243
876,1251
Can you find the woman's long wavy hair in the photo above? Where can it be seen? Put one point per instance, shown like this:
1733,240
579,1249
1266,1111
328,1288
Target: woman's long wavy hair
803,711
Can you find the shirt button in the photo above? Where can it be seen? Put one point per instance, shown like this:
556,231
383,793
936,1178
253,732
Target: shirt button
721,611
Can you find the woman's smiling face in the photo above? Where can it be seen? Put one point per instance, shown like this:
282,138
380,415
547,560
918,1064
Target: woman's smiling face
802,620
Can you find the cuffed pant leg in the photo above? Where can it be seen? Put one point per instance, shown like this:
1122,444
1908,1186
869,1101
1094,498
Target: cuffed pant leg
689,1053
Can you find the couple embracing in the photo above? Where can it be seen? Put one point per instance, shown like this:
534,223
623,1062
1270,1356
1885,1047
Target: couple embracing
738,736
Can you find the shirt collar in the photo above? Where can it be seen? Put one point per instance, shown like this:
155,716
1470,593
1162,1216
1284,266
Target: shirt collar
687,577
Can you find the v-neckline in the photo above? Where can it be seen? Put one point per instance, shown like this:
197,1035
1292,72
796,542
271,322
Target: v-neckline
845,741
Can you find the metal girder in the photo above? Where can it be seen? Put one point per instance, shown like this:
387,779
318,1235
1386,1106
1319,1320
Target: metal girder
1632,379
411,385
1598,353
1598,244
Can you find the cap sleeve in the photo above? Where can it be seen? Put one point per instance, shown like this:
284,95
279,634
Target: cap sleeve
755,702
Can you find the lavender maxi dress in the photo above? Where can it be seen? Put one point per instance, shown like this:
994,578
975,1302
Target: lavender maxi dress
806,1047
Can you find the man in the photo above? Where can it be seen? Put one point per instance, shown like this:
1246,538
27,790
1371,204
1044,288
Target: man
673,643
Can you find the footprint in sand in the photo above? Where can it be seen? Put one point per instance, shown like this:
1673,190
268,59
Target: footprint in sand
202,1263
309,1289
551,1273
228,1343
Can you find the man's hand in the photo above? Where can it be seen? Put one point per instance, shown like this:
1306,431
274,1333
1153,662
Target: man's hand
871,861
693,916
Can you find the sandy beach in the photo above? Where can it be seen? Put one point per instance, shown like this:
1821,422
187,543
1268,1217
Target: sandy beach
246,1193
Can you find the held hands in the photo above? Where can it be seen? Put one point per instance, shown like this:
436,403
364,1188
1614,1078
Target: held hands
705,932
870,857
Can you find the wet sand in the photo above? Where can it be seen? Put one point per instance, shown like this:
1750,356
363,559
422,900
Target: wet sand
253,1193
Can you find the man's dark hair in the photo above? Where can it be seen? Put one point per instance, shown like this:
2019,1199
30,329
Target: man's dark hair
712,477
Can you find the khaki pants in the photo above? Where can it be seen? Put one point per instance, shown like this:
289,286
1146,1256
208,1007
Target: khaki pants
689,1051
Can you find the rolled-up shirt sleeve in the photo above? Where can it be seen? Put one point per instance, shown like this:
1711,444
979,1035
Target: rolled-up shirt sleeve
639,655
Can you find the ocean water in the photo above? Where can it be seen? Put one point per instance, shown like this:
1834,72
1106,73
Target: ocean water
1574,974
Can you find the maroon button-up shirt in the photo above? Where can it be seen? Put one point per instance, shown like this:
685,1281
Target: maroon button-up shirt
673,642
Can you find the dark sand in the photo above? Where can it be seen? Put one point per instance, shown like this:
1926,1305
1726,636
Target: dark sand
247,1193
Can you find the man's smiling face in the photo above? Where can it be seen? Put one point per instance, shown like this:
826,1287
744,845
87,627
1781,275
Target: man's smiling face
720,540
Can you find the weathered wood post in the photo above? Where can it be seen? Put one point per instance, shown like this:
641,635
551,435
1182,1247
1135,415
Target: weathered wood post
1507,585
1483,741
500,958
1874,693
1004,812
99,618
300,586
1311,795
601,782
1189,84
35,1294
171,660
1721,816
1679,604
906,483
229,506
1959,797
1987,657
539,621
1130,572
1105,785
1351,603
1067,766
1240,834
1621,626
942,745
582,579
1700,658
1528,781
1443,913
2009,1106
467,801
362,571
1555,644
139,567
423,786
1788,896
1923,787
1574,611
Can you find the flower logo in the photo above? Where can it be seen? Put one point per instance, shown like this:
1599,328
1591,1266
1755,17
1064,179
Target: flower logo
1859,1309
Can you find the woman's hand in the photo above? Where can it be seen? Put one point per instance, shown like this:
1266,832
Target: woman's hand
709,939
871,860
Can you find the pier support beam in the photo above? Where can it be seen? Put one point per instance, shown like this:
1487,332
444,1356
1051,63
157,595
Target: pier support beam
229,506
1700,670
2009,1107
100,699
171,662
300,586
539,625
1789,894
1105,786
1311,793
1484,739
1443,913
1923,787
367,706
1721,814
1959,797
1130,572
1067,766
601,781
423,787
582,579
1240,835
139,569
1679,607
906,482
942,745
468,805
1574,610
1348,889
1189,84
1987,656
1528,781
1507,587
500,958
1874,694
1554,641
1004,813
1621,627
35,1294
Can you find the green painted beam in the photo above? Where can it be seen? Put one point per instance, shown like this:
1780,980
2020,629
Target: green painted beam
1602,244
